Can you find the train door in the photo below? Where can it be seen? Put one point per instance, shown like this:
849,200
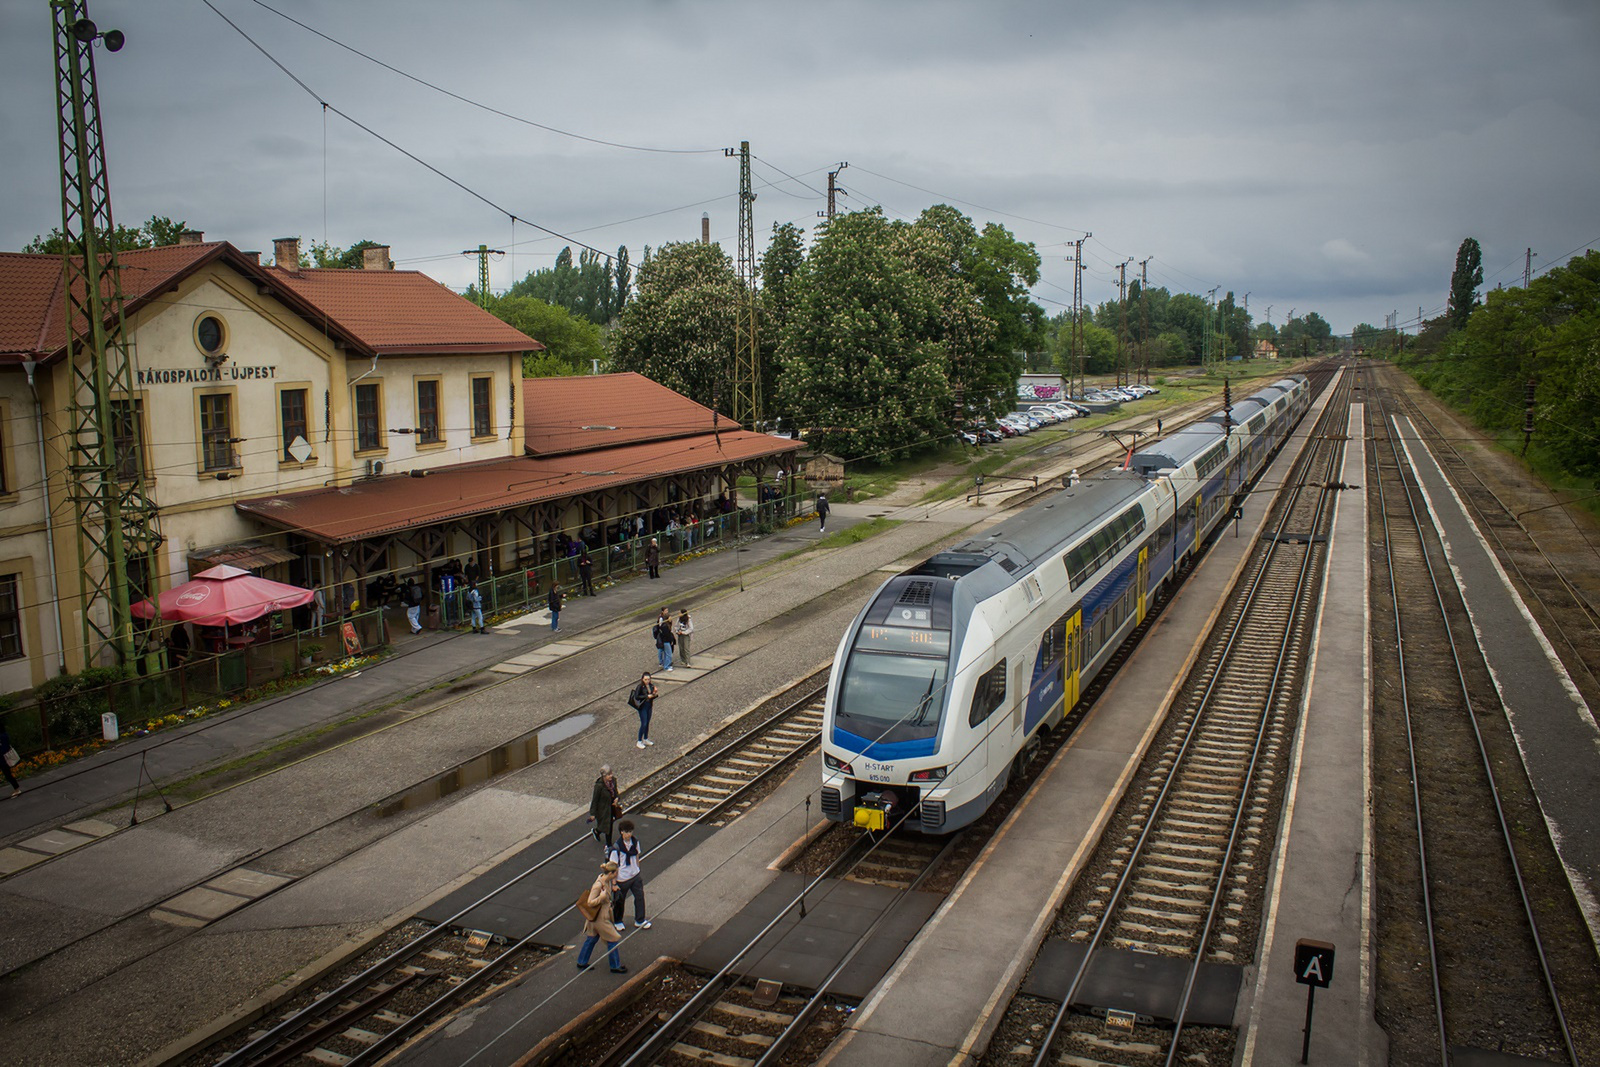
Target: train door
1073,662
1142,584
1199,521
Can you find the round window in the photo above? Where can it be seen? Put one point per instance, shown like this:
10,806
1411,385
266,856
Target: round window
211,334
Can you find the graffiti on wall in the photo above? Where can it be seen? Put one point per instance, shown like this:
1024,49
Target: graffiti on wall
1037,391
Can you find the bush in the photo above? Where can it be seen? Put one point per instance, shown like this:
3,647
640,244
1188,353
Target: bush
73,703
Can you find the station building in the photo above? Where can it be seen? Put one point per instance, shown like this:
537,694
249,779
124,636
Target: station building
319,427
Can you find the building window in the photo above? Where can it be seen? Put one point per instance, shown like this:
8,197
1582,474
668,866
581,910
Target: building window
369,418
127,437
10,619
482,412
428,412
216,431
211,335
292,417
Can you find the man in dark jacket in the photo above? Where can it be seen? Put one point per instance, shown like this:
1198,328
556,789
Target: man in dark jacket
586,570
822,512
603,805
665,641
555,600
413,597
652,558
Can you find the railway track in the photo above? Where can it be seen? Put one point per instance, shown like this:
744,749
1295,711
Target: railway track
1478,890
735,1020
1181,870
361,1017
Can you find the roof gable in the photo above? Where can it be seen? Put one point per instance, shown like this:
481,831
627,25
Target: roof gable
372,312
585,412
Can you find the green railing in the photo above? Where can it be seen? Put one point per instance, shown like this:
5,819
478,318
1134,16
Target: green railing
205,678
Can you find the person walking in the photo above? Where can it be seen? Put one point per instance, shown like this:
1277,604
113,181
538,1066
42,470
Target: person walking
9,759
625,854
596,921
475,606
681,630
555,599
586,570
652,558
1158,427
643,700
822,512
414,605
664,639
603,804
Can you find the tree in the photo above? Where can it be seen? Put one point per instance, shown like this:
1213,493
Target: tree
156,232
571,343
1464,282
679,327
864,363
782,260
322,254
590,288
1169,349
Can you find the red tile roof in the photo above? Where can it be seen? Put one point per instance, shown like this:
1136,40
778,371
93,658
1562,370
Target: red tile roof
372,312
375,506
394,312
577,414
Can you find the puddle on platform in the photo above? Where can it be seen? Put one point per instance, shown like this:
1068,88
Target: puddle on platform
513,755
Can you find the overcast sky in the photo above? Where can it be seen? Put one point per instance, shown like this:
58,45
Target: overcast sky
1319,156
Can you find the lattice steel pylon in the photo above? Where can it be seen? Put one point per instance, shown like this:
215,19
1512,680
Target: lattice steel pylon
746,353
483,252
118,529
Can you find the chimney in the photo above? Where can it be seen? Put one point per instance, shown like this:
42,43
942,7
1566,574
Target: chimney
376,258
286,253
254,257
705,227
191,237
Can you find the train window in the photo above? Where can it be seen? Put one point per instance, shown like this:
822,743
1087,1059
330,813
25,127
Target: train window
885,698
988,694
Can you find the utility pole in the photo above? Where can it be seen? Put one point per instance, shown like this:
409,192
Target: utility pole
1122,314
1247,355
746,356
483,252
833,189
118,524
1211,314
1527,268
1076,259
1144,320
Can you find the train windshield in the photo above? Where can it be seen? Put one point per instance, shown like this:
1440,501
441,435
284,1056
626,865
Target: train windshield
884,699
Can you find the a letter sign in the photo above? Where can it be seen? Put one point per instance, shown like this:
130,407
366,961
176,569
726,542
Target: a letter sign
1313,962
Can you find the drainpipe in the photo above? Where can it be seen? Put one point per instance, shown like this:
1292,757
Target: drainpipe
28,367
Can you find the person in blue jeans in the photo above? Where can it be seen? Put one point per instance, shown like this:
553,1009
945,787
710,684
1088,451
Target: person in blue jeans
554,601
597,920
643,699
665,641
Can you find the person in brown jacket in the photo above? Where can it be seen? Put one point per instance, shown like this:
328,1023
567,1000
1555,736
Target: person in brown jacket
597,920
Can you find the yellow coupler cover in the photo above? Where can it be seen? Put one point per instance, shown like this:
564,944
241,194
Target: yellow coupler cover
872,818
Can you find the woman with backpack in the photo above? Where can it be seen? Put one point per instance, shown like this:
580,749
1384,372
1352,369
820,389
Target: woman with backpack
595,907
643,699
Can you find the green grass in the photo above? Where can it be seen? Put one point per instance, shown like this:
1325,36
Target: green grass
854,535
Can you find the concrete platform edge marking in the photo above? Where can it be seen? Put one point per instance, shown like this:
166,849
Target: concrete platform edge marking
1581,888
988,1020
1280,863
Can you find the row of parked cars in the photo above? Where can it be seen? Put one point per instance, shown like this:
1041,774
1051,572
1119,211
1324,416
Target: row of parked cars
1040,415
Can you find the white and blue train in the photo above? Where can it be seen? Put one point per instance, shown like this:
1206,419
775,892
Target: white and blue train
956,667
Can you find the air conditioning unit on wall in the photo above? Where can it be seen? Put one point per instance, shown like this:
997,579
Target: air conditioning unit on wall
374,467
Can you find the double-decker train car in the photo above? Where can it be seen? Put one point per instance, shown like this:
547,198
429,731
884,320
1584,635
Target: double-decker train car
956,667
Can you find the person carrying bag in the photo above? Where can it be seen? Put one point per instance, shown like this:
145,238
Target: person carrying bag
594,904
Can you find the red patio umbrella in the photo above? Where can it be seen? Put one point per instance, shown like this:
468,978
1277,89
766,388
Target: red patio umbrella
223,596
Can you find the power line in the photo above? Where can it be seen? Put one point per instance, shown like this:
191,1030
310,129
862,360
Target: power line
474,103
513,216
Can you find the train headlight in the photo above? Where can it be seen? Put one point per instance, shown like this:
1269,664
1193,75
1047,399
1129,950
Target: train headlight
933,774
837,764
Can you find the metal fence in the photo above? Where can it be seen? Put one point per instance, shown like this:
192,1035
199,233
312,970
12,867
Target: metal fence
73,718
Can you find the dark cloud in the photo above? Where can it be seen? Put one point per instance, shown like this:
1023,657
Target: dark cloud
1320,155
